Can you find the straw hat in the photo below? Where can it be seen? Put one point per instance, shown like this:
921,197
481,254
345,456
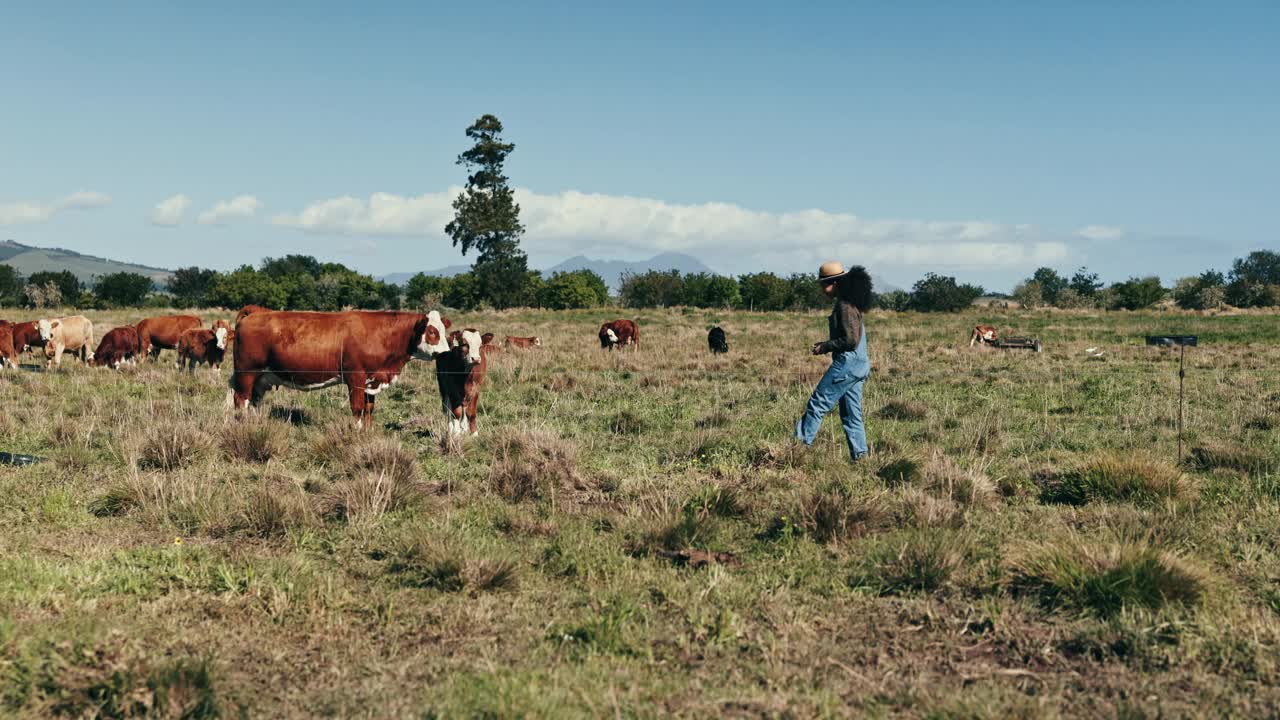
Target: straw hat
829,271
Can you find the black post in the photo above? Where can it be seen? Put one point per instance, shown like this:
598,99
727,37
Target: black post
1182,374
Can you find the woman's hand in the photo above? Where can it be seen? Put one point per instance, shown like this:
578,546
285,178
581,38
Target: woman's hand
816,349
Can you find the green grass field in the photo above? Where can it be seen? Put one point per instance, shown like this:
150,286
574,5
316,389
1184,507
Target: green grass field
1021,544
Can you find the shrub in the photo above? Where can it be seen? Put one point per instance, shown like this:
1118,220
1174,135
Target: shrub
1106,579
1132,478
938,293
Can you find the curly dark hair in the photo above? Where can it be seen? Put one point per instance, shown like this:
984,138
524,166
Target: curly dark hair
855,288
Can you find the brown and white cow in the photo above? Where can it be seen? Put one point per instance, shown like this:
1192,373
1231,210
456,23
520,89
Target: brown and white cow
982,334
199,345
26,337
366,351
119,346
619,332
162,333
8,356
74,333
522,342
460,372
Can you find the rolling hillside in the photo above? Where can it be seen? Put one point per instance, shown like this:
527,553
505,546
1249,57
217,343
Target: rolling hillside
28,260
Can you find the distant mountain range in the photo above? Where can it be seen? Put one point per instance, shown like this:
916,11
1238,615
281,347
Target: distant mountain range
28,260
610,271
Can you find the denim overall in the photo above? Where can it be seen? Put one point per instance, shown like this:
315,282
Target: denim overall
841,384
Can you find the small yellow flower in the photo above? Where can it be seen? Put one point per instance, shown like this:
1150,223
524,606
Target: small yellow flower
177,541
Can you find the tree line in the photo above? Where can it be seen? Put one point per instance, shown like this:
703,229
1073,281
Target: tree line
302,282
1252,281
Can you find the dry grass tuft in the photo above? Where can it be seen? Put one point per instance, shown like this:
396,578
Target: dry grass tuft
368,496
534,464
1108,578
1232,457
903,410
967,486
834,512
254,439
1129,477
170,446
901,470
910,561
385,456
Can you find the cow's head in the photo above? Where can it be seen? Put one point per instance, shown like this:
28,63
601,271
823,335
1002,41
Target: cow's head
537,341
46,329
434,339
220,337
608,337
467,344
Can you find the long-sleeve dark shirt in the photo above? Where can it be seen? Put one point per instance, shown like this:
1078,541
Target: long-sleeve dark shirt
845,326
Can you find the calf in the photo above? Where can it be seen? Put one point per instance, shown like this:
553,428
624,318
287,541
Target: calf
460,372
716,339
619,332
522,342
198,345
120,345
26,337
982,334
8,358
74,333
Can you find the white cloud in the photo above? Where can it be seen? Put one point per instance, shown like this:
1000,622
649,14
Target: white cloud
573,222
239,207
169,213
26,212
1100,232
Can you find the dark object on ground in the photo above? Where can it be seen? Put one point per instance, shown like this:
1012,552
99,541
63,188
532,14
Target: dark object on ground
1173,340
1019,343
717,341
12,459
698,559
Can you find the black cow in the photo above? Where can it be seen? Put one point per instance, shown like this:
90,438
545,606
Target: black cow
715,338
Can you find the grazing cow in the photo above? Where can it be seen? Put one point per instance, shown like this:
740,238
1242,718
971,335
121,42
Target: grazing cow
311,350
8,357
522,342
619,332
460,373
157,333
982,334
120,345
199,345
26,337
717,341
249,310
74,333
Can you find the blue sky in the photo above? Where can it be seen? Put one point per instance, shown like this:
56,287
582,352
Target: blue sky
980,139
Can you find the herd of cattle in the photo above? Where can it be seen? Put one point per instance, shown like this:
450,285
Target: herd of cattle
364,350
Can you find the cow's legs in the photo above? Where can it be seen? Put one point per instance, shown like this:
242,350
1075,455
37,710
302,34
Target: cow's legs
244,388
470,407
355,389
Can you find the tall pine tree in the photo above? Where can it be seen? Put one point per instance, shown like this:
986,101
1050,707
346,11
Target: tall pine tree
486,217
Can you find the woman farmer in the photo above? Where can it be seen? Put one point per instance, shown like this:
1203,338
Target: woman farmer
850,365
